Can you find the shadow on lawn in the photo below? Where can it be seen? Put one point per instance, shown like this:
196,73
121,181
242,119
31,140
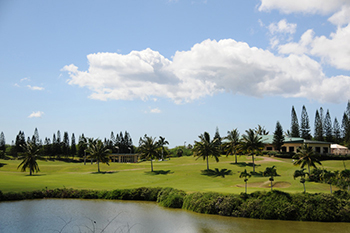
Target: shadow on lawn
107,172
215,173
244,164
36,175
2,164
160,172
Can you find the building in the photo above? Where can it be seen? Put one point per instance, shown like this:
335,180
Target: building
291,144
124,158
337,149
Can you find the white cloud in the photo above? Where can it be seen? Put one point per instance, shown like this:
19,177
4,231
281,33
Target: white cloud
282,27
341,17
25,79
36,114
35,88
155,110
209,67
323,7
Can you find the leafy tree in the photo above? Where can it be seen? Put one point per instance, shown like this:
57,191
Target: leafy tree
318,127
162,142
245,175
305,125
305,156
98,151
328,177
231,144
278,138
251,144
206,147
294,128
301,173
328,127
149,149
336,131
345,176
260,130
73,148
31,154
271,172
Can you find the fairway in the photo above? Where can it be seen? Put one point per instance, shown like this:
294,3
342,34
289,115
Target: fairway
184,173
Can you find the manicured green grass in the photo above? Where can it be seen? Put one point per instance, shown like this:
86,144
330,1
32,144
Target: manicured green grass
181,173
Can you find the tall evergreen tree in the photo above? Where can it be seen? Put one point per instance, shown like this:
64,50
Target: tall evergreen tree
82,146
47,147
73,148
294,128
318,135
305,125
35,138
65,145
346,125
328,130
218,137
2,142
278,137
336,131
20,142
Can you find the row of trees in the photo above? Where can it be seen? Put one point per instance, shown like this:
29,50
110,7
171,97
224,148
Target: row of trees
324,129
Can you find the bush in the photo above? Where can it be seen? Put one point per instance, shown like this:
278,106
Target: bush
201,202
172,198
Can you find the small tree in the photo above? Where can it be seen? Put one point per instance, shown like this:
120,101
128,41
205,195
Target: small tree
252,144
345,176
206,147
305,156
31,154
231,144
301,173
278,137
271,172
328,177
149,149
98,151
245,175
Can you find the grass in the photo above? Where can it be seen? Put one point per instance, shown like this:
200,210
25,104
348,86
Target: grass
185,173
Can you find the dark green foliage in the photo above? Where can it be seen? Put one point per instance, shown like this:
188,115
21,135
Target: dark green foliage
294,128
318,135
305,124
328,129
172,198
228,205
278,137
201,202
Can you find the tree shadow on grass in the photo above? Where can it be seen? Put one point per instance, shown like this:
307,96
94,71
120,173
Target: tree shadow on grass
160,172
257,174
215,173
2,164
36,175
244,164
107,172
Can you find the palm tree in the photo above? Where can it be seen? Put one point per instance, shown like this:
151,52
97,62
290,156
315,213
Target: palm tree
270,171
231,145
305,156
162,142
252,144
149,149
301,173
206,147
260,130
98,151
245,175
345,175
328,177
29,159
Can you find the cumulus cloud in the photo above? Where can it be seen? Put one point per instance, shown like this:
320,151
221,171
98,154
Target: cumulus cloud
155,110
210,67
36,114
35,88
310,6
281,31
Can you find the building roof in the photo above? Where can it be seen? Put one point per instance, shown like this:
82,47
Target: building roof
337,146
268,139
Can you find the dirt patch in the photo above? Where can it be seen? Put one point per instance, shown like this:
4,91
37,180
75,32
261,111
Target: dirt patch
266,184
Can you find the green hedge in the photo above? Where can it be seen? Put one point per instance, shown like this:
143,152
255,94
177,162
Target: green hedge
263,205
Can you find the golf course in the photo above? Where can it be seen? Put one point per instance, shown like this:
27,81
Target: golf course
184,173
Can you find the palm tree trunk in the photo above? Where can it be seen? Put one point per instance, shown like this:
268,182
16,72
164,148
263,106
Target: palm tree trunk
207,163
330,185
30,172
271,185
253,163
308,167
304,188
151,166
98,166
235,158
246,187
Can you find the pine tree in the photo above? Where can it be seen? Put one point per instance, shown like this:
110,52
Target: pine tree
218,137
336,131
35,138
294,128
2,142
328,130
20,142
305,124
278,137
65,145
73,148
318,135
47,147
346,125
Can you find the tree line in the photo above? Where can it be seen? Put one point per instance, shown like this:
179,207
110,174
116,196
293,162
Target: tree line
65,147
324,128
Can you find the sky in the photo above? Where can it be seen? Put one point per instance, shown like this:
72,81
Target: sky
170,68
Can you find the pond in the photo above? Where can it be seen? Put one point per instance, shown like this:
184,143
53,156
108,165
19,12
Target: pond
73,215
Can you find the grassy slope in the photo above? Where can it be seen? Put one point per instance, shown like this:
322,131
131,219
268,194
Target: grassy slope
180,173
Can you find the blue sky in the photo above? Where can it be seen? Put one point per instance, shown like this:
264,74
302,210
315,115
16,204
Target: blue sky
170,68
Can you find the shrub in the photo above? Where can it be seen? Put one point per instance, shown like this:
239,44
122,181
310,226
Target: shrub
172,198
201,202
